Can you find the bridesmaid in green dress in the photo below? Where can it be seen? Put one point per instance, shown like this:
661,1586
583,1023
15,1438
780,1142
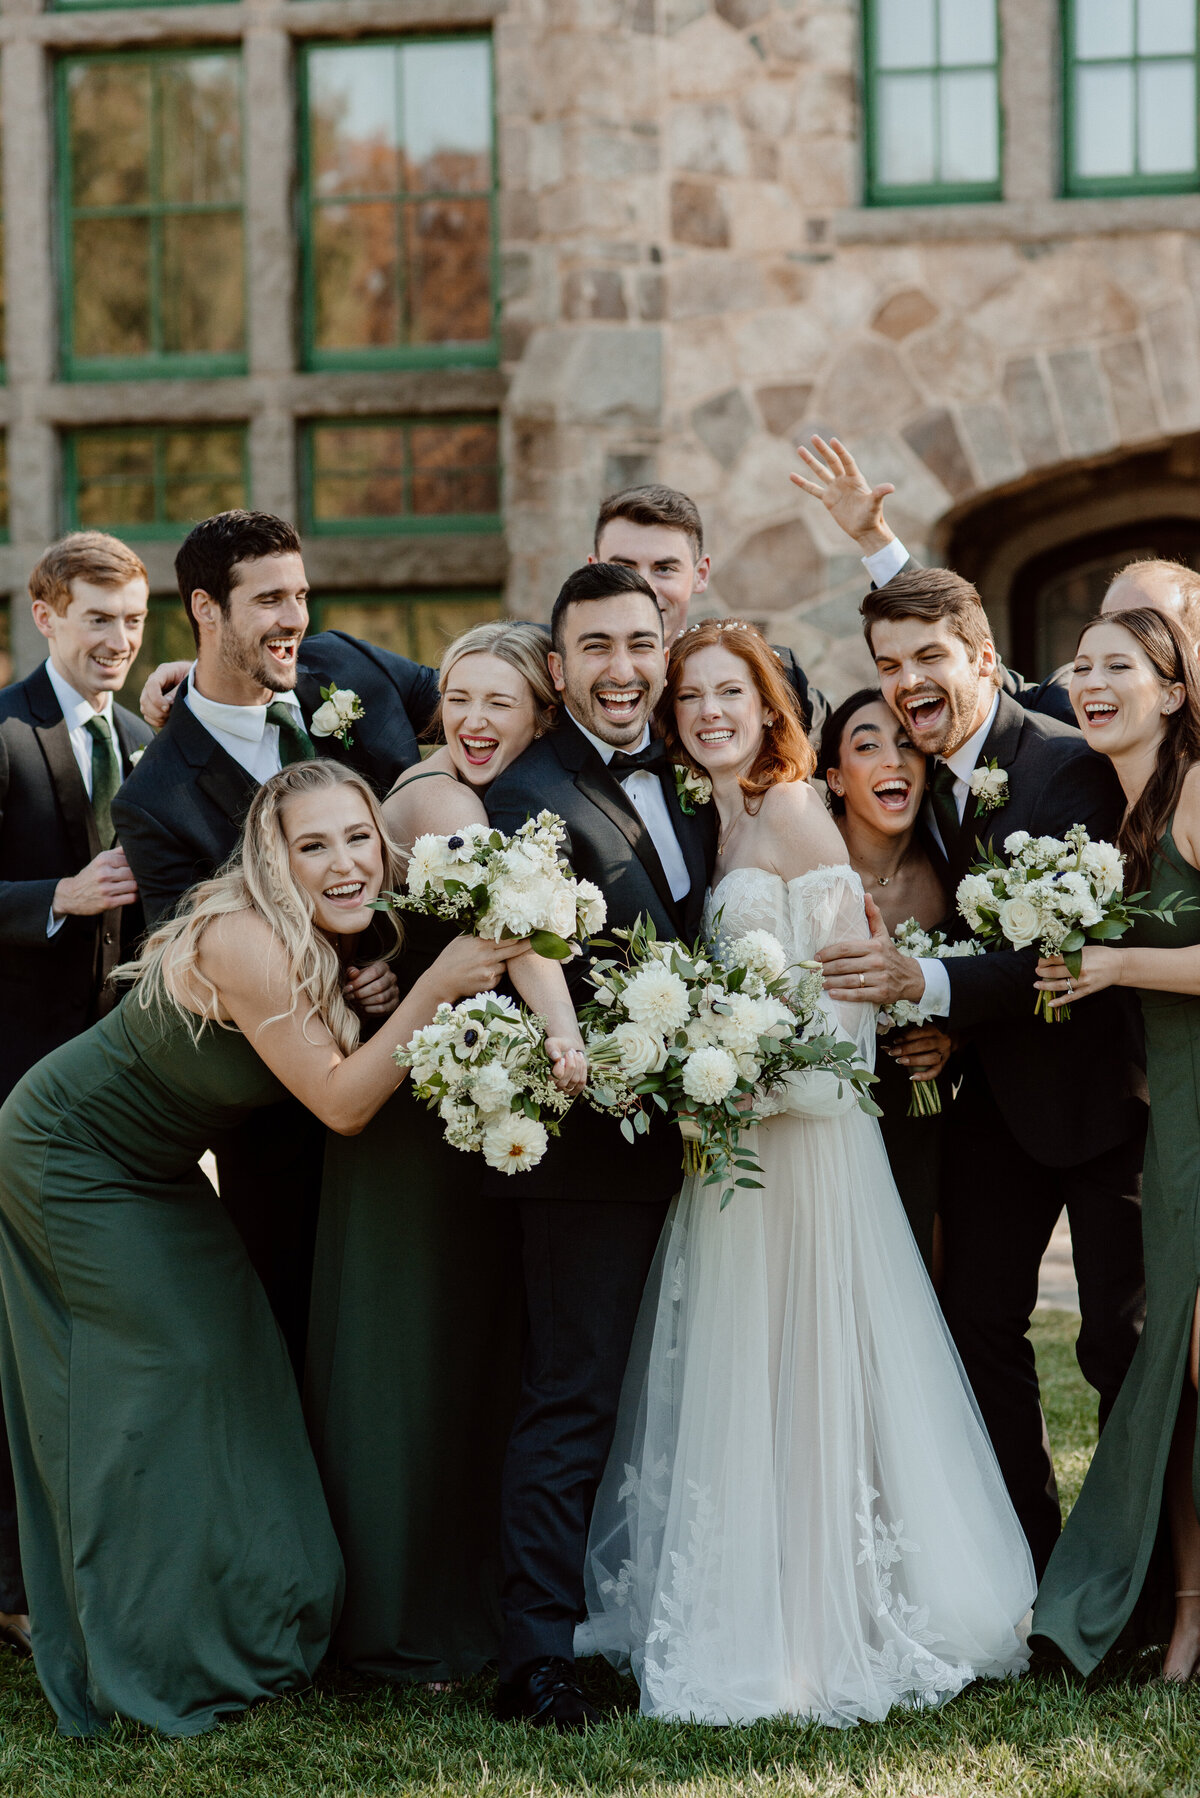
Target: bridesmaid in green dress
876,782
179,1556
415,1334
1127,1567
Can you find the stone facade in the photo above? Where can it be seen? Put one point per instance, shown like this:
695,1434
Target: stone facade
692,286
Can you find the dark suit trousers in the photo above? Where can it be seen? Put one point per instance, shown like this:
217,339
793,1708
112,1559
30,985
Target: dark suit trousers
999,1209
12,1586
585,1268
269,1169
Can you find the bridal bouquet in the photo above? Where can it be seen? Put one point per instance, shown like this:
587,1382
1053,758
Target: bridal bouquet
503,887
1058,892
483,1065
707,1035
925,1099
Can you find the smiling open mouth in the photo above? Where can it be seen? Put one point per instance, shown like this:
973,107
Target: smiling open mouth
710,738
925,710
620,703
282,649
478,750
348,893
1099,711
893,794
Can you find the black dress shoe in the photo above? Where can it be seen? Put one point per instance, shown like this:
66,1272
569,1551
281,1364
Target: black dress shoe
547,1694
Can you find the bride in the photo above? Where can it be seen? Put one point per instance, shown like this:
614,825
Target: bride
801,1513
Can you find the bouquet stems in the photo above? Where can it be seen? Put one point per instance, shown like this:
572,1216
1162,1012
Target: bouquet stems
695,1156
925,1099
1052,1014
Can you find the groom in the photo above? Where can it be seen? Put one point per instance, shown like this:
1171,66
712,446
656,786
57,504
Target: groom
592,1211
1046,1115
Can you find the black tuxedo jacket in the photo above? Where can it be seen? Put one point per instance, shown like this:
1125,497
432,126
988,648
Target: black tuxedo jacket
51,988
814,707
1068,1092
180,814
607,843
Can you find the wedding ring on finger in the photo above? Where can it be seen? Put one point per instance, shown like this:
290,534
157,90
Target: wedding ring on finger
862,979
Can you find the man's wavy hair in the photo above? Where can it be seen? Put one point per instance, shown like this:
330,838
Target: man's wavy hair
258,878
786,754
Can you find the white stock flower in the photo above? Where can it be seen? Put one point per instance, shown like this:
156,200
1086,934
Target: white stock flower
462,1125
974,892
1020,921
1107,867
491,1087
656,997
759,952
1016,841
642,1051
325,720
746,1021
514,1144
709,1075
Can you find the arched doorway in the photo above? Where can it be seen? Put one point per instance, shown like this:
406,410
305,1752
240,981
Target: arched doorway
1042,554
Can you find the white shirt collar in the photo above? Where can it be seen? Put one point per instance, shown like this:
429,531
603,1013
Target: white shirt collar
962,763
75,708
246,721
604,750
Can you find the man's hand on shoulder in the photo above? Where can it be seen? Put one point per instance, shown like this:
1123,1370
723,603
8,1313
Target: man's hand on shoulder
161,691
107,881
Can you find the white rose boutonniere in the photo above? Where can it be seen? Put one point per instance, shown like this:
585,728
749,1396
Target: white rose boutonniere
136,755
333,719
691,789
989,785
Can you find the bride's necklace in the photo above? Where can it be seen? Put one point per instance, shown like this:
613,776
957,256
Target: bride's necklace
885,880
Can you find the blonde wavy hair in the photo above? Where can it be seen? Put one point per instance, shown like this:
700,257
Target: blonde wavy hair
258,877
524,647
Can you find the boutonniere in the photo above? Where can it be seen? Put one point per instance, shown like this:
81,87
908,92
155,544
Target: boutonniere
333,719
691,789
989,785
135,756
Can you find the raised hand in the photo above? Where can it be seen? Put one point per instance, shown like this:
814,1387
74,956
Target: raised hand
160,692
569,1068
106,881
846,493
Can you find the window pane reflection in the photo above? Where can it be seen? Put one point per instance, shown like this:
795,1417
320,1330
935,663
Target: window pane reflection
907,144
967,29
154,482
400,242
1166,27
396,471
1166,117
1104,120
1104,27
905,34
970,151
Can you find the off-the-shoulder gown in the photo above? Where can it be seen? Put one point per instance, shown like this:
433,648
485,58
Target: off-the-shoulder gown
802,1514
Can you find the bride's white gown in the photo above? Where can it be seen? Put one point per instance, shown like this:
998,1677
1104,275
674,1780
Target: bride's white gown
802,1512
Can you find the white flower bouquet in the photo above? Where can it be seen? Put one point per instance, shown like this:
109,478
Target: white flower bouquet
503,887
707,1035
1058,892
483,1065
925,1099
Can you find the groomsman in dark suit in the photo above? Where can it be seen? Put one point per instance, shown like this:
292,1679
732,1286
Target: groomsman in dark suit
658,532
592,1210
250,704
68,901
1046,1115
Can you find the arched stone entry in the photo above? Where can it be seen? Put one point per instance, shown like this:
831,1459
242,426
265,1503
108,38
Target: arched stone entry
1043,553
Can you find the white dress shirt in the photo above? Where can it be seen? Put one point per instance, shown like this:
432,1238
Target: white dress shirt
644,792
962,764
77,713
242,730
886,562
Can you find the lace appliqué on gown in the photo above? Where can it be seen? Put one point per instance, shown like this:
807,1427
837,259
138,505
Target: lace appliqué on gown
802,1514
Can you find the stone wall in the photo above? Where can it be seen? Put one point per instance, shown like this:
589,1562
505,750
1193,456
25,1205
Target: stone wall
692,286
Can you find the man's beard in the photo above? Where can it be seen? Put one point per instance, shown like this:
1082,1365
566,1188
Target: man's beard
254,660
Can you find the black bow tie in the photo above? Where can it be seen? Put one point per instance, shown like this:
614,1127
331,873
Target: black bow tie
652,758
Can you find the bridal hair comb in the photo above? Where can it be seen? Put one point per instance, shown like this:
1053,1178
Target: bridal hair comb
726,624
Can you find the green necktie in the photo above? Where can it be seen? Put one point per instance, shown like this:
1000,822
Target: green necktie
295,744
106,778
945,807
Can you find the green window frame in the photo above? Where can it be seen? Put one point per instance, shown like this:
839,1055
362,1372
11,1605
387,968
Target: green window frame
4,528
418,623
116,5
172,474
404,469
1137,73
392,205
165,217
932,69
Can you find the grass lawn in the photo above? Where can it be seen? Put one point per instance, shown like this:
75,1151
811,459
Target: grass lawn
1133,1737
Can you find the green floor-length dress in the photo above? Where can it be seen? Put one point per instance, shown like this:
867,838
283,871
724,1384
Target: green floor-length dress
178,1552
413,1371
1110,1577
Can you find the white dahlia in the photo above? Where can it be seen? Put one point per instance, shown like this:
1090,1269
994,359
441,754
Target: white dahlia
656,997
709,1075
514,1144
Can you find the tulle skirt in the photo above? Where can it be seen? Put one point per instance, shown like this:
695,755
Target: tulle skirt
802,1513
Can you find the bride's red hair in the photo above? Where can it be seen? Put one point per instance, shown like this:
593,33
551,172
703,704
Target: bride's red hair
786,754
